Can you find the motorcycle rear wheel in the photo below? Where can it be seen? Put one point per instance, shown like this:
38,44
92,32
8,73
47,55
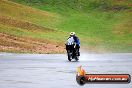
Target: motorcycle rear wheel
69,57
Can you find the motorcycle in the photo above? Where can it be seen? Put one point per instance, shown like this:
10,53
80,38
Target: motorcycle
72,53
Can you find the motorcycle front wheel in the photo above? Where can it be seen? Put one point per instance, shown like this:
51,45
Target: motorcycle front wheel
77,58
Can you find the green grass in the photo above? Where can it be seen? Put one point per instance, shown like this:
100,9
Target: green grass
20,13
25,13
37,35
100,24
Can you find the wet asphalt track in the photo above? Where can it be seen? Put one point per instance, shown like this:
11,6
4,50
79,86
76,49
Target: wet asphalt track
54,71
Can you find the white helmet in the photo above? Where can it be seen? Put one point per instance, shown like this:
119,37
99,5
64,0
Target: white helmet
72,33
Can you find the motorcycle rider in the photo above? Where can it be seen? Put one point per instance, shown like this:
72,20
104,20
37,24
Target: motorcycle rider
73,43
